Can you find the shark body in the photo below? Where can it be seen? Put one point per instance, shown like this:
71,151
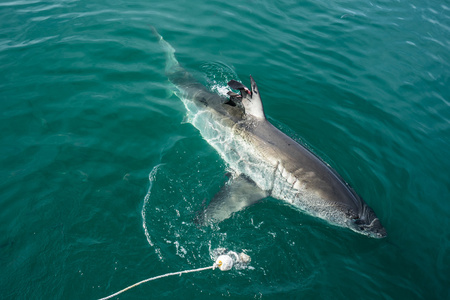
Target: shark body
266,162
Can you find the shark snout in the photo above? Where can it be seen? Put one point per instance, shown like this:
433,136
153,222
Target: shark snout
369,224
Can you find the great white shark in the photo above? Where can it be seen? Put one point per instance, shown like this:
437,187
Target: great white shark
265,161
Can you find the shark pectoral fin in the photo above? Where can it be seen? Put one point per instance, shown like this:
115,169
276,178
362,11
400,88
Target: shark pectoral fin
235,195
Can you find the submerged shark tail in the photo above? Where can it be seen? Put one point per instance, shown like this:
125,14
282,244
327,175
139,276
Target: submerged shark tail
172,64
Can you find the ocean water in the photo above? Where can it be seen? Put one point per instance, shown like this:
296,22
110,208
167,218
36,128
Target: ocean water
102,175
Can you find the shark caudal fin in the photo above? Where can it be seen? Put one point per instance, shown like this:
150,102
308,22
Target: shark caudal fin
172,64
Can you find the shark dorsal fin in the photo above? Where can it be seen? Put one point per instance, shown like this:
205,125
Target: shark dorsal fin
250,98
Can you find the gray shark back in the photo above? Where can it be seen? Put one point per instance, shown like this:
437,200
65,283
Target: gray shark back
315,186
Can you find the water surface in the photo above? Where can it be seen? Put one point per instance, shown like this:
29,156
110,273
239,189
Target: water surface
102,175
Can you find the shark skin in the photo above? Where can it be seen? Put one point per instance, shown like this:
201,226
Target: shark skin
265,161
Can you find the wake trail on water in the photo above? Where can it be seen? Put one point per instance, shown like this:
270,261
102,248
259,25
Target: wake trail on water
151,179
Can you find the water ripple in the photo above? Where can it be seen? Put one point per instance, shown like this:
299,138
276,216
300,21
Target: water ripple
86,111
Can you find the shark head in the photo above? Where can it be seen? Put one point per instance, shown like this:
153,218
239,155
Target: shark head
367,223
251,99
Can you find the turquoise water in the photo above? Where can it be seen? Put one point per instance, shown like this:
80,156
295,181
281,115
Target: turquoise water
101,175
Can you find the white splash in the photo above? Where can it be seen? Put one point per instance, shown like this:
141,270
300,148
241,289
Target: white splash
220,89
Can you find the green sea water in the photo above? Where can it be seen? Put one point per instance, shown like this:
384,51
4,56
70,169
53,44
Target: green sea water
102,175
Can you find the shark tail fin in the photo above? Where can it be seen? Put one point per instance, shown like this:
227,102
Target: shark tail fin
172,64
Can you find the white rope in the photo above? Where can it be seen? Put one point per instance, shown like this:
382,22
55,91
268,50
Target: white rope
157,277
